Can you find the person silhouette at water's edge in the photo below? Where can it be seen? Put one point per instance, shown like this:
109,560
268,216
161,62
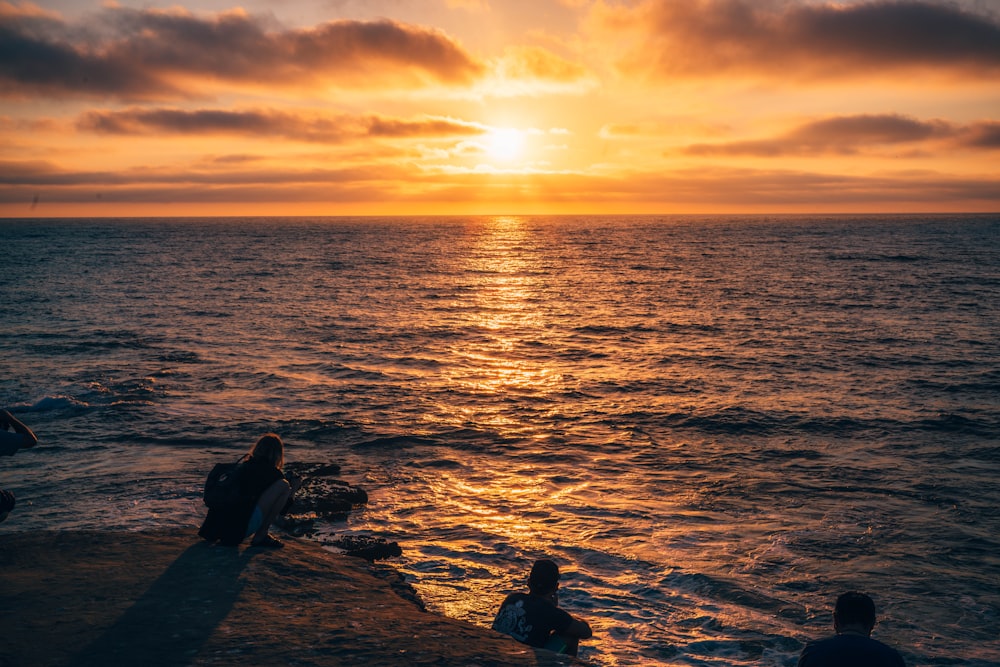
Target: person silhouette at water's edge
535,619
853,621
11,442
265,493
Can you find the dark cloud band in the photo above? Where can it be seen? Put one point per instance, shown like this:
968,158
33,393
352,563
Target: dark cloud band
849,135
156,54
825,40
268,124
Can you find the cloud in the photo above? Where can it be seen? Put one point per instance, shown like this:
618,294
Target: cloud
533,70
26,10
380,126
984,135
270,124
667,127
252,180
134,54
783,189
849,135
42,173
801,40
534,62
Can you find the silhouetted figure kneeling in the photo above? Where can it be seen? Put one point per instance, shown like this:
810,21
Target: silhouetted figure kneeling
852,646
535,619
265,492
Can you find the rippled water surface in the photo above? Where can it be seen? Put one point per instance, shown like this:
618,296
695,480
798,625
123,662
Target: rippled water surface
715,425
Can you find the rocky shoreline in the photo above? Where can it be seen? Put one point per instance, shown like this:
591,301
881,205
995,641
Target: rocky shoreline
168,598
325,500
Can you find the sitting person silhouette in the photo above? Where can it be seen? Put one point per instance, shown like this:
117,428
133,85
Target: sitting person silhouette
853,621
18,438
535,619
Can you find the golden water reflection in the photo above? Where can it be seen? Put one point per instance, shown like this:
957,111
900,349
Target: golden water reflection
508,306
514,298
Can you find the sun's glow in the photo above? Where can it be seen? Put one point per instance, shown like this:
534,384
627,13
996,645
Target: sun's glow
505,144
563,110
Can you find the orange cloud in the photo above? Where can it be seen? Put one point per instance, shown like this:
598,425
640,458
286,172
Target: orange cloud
533,62
269,124
160,54
25,10
822,40
737,189
533,70
666,128
985,134
163,184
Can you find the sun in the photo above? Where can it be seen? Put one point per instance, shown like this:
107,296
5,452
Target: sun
505,144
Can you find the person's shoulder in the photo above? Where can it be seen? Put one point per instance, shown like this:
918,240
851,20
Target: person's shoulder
514,598
860,651
890,656
814,652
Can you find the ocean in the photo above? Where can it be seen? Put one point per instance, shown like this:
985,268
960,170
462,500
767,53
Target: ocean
715,425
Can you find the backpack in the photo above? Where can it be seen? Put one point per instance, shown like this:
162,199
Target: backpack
222,488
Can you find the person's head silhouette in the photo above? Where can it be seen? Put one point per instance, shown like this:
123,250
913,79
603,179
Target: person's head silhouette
544,577
854,613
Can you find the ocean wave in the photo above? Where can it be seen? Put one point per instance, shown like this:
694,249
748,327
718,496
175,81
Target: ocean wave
985,384
218,445
50,403
876,257
180,357
87,342
337,371
608,330
746,421
952,423
397,442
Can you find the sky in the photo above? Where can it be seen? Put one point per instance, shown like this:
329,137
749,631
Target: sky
455,107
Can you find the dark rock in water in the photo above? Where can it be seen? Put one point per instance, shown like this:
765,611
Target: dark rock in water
320,495
328,470
327,497
319,498
369,548
333,488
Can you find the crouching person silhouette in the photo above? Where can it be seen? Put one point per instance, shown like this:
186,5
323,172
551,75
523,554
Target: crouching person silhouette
534,618
853,621
265,493
12,441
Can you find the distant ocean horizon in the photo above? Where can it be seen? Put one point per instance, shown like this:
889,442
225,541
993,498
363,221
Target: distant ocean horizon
714,424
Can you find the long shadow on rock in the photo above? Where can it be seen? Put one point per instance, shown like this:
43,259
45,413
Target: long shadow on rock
177,614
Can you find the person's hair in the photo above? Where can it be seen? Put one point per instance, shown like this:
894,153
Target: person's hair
854,608
271,449
544,577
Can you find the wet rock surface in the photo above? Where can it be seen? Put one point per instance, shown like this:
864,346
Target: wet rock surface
365,546
96,599
322,500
